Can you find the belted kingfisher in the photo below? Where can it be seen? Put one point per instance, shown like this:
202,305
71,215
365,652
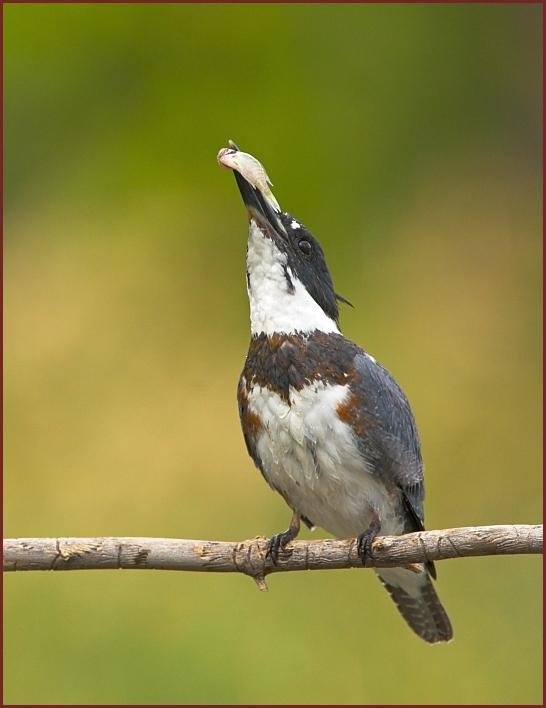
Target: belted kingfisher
327,425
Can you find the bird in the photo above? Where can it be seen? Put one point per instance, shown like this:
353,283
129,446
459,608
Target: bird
326,424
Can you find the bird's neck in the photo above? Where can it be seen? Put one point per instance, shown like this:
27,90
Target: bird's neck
279,302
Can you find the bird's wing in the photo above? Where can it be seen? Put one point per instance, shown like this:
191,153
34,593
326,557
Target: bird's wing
389,440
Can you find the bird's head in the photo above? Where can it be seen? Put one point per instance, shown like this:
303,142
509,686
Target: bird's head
289,285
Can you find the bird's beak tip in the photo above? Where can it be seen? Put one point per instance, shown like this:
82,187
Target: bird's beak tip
253,184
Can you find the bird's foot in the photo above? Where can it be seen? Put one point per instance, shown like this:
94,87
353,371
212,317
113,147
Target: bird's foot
365,540
277,542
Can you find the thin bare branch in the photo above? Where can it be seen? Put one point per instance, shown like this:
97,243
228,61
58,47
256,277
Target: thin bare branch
250,556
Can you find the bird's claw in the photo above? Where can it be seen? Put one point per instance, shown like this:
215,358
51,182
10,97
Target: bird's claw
365,541
276,544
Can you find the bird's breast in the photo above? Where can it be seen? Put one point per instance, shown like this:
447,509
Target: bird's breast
299,416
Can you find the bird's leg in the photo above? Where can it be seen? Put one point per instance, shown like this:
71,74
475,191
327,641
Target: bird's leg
280,540
365,540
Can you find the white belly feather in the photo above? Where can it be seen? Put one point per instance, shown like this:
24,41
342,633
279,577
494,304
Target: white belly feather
312,458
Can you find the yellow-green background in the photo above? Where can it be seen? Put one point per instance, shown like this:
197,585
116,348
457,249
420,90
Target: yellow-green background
408,139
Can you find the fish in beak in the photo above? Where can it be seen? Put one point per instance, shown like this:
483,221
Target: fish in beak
254,185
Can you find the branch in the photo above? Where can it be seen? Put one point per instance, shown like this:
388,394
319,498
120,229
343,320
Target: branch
250,556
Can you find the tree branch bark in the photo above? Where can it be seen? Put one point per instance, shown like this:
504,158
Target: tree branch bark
249,556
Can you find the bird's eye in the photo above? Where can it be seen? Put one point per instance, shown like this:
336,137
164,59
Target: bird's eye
304,246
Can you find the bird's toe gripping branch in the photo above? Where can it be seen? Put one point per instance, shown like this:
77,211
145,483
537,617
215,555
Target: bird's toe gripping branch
279,541
365,540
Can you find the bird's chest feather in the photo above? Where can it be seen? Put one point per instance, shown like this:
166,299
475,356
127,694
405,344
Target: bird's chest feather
306,451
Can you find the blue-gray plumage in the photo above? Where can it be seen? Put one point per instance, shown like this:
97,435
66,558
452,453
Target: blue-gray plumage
392,441
328,426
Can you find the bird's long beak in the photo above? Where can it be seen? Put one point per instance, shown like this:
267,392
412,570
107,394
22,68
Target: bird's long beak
254,185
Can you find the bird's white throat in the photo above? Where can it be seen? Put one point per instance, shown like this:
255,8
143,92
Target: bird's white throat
274,305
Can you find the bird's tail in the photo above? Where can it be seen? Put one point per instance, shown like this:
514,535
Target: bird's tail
418,603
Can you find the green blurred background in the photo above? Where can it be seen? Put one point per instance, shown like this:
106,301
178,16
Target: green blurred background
408,139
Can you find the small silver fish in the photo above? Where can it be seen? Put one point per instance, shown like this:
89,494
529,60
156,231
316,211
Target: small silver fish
250,168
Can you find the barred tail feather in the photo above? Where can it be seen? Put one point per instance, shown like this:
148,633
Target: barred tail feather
418,603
